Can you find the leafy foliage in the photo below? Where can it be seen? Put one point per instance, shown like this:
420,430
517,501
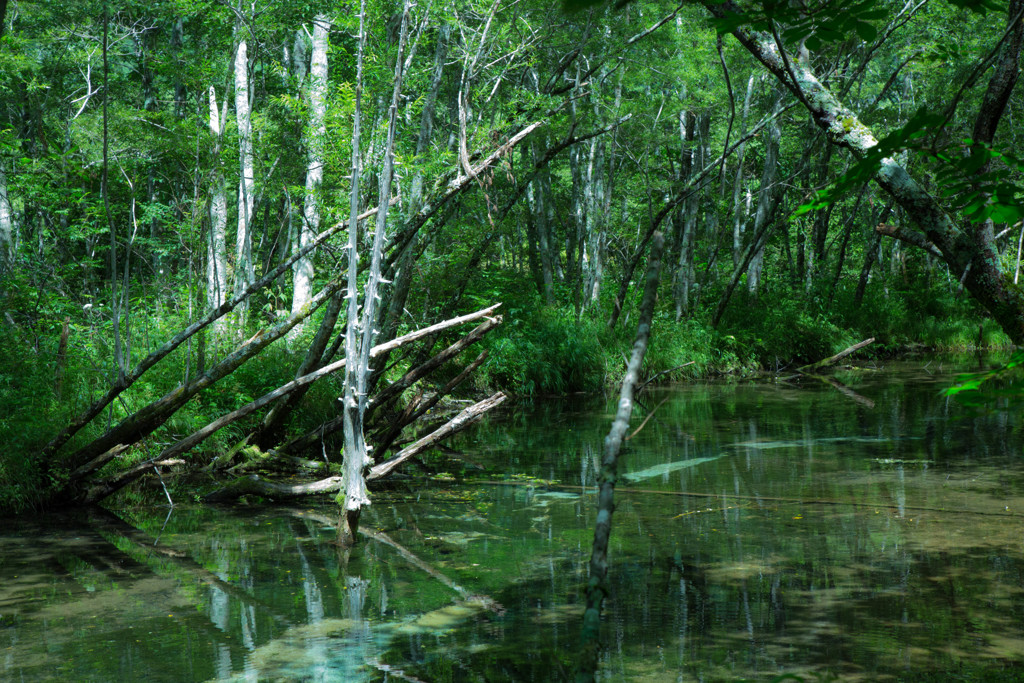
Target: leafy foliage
979,180
1001,388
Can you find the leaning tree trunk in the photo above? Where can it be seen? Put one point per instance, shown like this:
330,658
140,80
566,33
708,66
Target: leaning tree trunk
597,585
146,420
87,491
272,425
968,250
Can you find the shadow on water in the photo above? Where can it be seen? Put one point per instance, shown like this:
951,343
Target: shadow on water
760,529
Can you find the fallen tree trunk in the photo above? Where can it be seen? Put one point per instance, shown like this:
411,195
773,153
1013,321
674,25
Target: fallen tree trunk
177,340
416,374
101,489
832,359
199,436
331,426
418,410
453,426
253,484
147,419
272,426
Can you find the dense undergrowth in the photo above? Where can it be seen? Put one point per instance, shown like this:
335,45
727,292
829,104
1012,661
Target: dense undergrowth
541,350
546,350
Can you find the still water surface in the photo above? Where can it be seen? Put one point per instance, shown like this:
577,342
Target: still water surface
760,529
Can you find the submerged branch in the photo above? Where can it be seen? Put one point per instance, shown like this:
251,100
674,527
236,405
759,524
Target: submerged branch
597,588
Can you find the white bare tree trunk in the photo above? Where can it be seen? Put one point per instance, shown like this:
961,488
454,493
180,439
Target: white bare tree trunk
356,460
357,351
594,245
739,209
302,274
244,274
6,226
765,197
216,241
690,128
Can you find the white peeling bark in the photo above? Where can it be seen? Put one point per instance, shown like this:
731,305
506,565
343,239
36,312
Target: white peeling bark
244,274
6,226
739,210
302,275
216,240
765,199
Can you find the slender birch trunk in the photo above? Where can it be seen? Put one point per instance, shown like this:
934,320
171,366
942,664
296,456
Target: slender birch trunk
302,275
216,240
689,126
765,197
594,193
739,214
6,226
244,273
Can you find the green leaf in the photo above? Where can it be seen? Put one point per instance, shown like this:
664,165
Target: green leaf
866,31
979,6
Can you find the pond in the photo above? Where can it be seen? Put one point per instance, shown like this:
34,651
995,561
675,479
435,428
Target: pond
761,528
